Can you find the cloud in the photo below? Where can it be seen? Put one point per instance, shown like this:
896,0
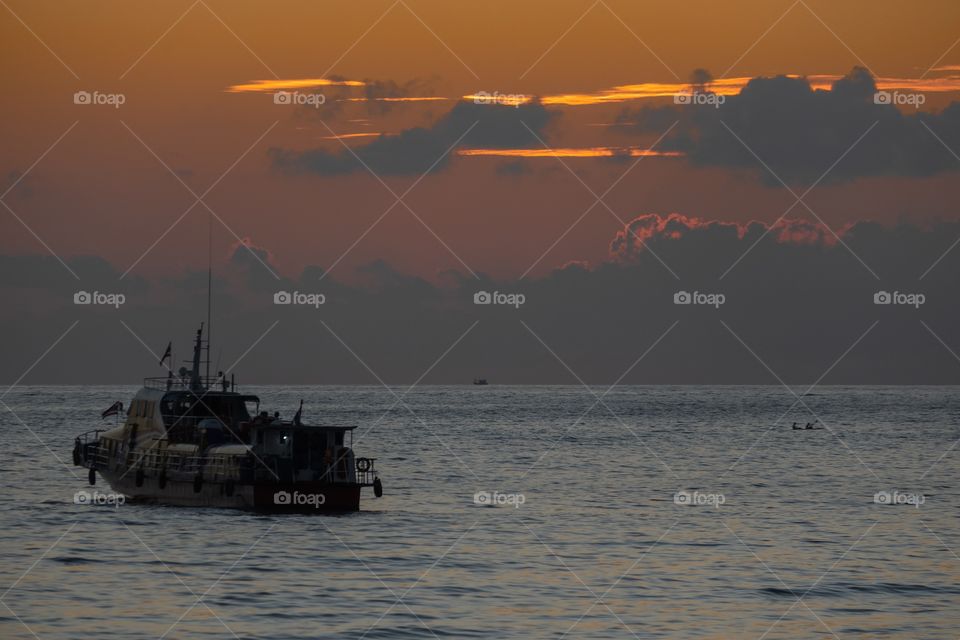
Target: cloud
291,84
246,253
414,151
658,232
383,95
797,298
254,265
617,153
799,132
33,271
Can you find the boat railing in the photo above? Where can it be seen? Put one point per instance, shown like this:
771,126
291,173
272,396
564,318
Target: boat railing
182,384
90,436
198,464
173,461
160,458
99,458
86,448
368,473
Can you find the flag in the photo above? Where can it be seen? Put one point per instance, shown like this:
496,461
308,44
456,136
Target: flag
115,408
296,417
166,354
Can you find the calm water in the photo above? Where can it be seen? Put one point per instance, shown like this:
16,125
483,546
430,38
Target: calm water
597,549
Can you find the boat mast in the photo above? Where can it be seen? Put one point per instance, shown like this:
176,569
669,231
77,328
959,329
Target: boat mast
209,284
195,383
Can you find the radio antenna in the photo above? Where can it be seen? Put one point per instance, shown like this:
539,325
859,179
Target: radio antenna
209,285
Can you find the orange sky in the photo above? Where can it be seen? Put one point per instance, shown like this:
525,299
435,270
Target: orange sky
101,191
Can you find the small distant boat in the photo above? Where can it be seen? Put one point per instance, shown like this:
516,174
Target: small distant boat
479,381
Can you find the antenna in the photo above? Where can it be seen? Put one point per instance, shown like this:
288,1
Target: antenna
209,284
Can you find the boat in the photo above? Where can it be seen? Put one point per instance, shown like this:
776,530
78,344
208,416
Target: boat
480,381
192,440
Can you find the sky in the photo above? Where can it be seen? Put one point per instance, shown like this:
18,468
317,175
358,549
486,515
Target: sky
399,157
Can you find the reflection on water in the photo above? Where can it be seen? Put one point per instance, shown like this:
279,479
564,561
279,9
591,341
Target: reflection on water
511,513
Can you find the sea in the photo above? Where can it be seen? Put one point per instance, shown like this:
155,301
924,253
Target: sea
516,512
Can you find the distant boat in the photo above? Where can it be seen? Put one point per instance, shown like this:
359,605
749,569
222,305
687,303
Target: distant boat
479,381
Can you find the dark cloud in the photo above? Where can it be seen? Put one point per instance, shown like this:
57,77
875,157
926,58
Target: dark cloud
245,253
798,297
800,132
253,265
414,151
32,271
376,90
661,233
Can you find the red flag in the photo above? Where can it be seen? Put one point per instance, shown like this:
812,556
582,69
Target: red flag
115,408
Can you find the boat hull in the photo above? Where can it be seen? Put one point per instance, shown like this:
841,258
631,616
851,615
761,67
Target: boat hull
277,497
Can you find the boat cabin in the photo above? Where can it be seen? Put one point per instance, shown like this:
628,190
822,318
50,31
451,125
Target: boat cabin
300,452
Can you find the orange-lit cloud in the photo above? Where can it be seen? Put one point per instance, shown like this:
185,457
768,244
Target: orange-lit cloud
630,241
293,83
733,86
623,93
503,99
404,99
345,136
587,152
617,94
